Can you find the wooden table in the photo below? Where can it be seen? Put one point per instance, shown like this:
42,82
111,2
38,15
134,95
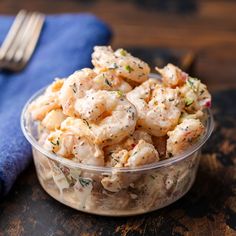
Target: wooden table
152,28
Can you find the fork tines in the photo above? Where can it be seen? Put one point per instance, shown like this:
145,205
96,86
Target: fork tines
21,40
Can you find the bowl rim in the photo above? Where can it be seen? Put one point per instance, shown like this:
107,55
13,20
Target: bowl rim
73,164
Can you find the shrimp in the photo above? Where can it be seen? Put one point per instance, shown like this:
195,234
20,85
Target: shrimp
73,146
183,136
195,95
116,155
108,80
172,76
159,108
75,125
46,102
53,119
196,115
109,116
132,152
76,86
143,153
121,62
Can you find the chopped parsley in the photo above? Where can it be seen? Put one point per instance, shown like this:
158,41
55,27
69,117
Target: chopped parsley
129,69
133,115
74,88
86,122
123,52
114,66
55,143
191,82
108,82
85,182
201,92
188,102
120,93
129,110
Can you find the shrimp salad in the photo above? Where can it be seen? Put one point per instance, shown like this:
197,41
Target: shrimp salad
116,116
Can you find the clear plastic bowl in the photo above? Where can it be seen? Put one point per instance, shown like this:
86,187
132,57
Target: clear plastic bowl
143,189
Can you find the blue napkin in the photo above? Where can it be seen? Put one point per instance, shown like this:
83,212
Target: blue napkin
65,45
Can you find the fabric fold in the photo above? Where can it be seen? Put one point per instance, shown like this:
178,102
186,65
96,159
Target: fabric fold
65,45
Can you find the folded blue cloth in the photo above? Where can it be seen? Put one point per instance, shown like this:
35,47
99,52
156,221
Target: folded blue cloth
65,45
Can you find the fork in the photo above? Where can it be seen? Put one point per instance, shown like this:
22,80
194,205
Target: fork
21,40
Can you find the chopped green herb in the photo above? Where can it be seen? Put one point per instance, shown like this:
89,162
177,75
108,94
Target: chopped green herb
135,153
171,99
86,122
85,182
115,160
129,69
191,82
120,93
53,143
114,66
123,52
201,92
108,82
153,177
133,115
188,102
74,88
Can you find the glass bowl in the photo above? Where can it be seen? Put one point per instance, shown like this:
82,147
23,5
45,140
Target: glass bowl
142,189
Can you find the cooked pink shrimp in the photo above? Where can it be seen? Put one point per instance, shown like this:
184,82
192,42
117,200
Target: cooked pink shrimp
159,108
46,102
73,146
109,116
121,62
108,80
53,119
172,76
143,153
195,95
116,155
76,86
183,136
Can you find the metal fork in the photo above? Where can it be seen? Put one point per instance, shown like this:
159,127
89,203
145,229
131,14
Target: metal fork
21,40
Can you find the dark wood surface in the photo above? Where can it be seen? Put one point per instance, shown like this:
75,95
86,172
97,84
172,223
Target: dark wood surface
153,29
